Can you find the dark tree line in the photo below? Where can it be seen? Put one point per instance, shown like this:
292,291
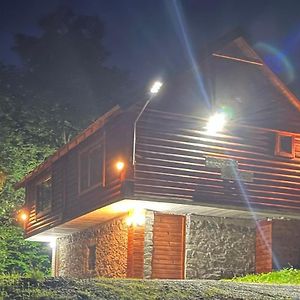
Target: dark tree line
62,85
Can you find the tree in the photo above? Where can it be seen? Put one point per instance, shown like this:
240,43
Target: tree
19,153
27,137
63,85
18,255
66,65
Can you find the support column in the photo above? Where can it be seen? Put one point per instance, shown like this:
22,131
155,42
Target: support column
263,252
135,252
148,244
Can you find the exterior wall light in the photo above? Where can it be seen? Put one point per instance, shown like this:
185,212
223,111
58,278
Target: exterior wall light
120,165
216,123
22,216
153,92
156,87
136,217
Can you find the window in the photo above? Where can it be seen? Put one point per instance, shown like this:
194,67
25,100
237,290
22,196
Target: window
285,145
92,257
44,195
91,168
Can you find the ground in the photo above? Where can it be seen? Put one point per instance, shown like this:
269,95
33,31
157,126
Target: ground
113,289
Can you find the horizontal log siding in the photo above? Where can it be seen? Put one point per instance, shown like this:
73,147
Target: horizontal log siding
170,164
67,202
53,216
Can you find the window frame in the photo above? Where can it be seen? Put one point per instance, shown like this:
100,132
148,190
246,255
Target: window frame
89,149
278,150
47,209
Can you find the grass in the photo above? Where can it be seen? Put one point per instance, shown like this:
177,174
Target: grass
285,276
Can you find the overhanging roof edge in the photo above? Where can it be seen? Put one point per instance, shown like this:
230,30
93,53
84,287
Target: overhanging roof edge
70,145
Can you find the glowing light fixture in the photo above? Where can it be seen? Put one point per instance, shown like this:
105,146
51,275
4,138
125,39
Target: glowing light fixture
120,165
216,123
52,244
156,87
136,217
23,216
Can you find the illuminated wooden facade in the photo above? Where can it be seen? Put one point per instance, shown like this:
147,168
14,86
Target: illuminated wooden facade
170,167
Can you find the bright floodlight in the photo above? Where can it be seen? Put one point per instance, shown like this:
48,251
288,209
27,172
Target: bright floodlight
136,217
216,123
52,243
156,87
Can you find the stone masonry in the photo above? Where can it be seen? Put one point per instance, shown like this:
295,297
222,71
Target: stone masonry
110,239
218,247
148,244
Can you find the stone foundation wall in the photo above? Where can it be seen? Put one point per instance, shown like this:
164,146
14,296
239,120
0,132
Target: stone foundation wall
148,244
110,239
219,247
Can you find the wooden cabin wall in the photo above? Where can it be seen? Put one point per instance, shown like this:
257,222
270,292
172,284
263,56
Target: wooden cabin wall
67,202
52,217
170,165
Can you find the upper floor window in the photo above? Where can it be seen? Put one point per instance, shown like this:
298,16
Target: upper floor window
285,145
44,194
91,168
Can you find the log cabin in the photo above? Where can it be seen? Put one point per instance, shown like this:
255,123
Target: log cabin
150,192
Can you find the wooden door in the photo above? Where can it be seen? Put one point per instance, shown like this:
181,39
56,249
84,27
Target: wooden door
168,247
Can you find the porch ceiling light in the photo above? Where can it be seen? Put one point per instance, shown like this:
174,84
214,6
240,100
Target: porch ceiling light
216,123
136,217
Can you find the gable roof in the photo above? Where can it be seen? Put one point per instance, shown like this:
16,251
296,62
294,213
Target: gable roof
277,82
232,68
99,123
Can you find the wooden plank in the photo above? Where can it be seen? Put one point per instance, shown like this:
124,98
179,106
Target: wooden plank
135,252
168,246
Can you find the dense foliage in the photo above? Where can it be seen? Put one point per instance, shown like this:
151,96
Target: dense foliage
24,144
20,256
285,276
61,86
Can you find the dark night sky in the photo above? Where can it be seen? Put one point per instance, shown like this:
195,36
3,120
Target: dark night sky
144,36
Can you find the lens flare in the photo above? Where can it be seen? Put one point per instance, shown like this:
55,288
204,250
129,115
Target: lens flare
277,61
254,216
189,49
